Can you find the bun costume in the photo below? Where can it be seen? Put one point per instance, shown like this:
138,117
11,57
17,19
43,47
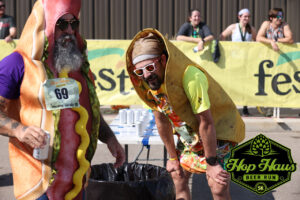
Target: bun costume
73,131
228,123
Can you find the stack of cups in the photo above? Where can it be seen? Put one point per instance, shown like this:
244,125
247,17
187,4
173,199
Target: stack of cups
123,116
130,117
137,116
145,119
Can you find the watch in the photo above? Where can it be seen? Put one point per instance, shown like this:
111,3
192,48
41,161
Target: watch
211,160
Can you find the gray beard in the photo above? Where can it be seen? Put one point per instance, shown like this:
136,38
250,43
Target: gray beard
67,54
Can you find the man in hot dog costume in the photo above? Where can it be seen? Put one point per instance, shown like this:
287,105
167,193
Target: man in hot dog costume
186,101
47,85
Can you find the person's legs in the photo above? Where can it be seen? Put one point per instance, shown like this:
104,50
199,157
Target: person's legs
245,111
181,182
219,192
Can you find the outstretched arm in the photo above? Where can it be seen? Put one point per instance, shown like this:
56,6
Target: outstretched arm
188,39
107,136
165,131
262,38
208,136
12,34
227,32
288,35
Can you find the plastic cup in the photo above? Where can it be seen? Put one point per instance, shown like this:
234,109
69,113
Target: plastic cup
123,116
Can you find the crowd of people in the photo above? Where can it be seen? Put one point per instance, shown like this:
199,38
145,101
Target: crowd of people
272,31
50,48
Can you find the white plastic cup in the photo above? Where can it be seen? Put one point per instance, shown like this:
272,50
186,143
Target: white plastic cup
144,122
137,116
139,128
144,112
195,49
130,117
145,115
123,116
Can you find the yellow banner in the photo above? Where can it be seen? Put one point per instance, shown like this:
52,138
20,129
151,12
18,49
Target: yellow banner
250,72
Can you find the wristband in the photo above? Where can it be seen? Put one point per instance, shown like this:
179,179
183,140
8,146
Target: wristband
173,158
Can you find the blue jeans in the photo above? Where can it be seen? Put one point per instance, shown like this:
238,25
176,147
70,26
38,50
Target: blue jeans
43,197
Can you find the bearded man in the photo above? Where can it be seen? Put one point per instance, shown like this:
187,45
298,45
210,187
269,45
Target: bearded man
188,102
46,86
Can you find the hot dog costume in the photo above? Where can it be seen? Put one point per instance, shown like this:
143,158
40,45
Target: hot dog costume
73,131
227,121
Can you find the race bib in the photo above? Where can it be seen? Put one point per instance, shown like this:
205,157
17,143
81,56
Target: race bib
61,93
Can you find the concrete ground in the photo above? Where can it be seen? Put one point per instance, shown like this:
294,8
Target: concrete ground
286,131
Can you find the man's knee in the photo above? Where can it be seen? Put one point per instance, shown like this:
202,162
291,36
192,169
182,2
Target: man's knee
218,189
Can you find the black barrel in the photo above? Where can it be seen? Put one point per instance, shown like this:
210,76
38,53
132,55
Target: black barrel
132,181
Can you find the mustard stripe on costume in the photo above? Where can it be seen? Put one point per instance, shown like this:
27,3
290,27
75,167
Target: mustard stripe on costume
80,128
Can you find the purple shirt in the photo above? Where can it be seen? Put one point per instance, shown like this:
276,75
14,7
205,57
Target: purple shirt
11,75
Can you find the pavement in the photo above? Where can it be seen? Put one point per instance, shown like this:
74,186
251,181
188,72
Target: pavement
285,130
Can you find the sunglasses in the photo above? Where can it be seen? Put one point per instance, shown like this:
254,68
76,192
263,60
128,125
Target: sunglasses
2,6
149,68
279,17
63,24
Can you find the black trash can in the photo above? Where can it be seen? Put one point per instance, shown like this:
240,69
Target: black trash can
132,181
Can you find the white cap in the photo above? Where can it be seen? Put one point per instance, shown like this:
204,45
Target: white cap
243,11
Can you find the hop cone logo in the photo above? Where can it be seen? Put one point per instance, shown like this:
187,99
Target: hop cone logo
260,146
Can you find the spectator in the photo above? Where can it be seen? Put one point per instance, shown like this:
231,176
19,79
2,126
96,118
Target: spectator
273,31
241,32
8,29
51,54
194,30
188,102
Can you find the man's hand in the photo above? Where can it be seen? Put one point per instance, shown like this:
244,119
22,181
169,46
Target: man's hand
34,136
116,150
218,174
174,166
8,39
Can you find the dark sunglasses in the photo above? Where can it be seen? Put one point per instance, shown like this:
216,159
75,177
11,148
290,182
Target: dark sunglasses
63,24
2,6
149,68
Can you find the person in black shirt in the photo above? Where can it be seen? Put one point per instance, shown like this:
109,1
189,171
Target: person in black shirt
194,30
8,29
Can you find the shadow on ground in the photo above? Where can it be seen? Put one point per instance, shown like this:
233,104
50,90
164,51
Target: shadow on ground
6,180
284,112
200,190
